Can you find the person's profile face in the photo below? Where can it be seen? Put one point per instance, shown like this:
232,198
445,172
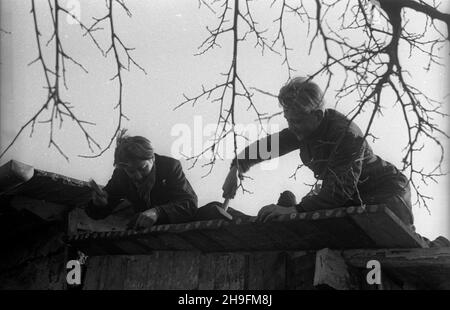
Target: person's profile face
301,123
138,170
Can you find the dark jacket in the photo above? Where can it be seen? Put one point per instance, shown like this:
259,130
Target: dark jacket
338,155
171,194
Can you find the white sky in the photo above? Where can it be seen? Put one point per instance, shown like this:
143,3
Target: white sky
165,35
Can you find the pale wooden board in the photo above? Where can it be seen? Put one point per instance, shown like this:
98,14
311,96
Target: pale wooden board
332,271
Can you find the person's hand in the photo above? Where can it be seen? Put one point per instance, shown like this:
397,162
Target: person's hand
272,211
231,183
143,220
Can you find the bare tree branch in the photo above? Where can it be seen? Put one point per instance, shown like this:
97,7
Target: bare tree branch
58,108
115,44
371,67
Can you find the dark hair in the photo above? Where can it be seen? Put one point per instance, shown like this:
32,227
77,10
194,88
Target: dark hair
129,149
300,93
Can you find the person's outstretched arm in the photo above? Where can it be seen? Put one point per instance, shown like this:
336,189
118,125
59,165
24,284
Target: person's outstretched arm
272,146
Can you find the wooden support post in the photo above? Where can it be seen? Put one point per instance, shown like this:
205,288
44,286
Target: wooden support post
332,271
300,270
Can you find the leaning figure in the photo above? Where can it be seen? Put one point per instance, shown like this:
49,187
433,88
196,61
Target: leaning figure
335,149
155,185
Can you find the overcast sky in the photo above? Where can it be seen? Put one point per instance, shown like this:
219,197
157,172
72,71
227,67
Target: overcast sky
166,35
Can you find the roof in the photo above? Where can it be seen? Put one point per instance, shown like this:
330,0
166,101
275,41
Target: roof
17,178
362,233
342,228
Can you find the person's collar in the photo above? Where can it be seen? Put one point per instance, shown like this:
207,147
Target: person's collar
151,178
320,131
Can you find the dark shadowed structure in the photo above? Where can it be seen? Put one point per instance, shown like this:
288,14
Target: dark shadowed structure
43,225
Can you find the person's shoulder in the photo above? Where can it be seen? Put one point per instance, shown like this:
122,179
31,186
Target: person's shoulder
339,124
119,173
166,161
335,116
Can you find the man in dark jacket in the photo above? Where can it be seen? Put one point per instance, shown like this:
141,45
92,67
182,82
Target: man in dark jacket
335,150
155,185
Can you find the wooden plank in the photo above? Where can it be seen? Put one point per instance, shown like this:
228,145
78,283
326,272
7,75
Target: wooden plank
325,228
179,270
152,242
211,236
344,228
222,271
55,188
98,248
115,273
300,267
387,282
427,268
296,235
154,277
266,271
103,272
331,270
174,241
343,233
201,241
137,272
385,228
223,240
43,273
47,211
265,236
397,258
129,246
56,268
78,220
307,234
94,271
252,236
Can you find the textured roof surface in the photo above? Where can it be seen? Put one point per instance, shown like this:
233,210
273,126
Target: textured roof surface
343,228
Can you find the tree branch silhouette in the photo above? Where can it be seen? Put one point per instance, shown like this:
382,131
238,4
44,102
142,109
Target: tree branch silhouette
55,109
372,66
